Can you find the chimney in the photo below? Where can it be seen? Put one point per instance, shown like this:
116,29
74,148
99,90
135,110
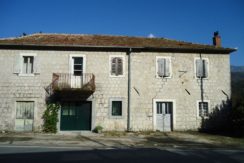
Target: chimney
217,39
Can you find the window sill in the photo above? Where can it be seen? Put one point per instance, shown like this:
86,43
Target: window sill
116,117
118,76
201,78
203,117
158,77
28,75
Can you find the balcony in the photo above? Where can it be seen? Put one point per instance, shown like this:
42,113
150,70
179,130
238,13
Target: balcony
66,86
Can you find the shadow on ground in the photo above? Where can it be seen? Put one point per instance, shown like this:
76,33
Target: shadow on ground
125,155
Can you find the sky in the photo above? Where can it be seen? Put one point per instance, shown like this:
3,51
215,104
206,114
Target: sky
185,20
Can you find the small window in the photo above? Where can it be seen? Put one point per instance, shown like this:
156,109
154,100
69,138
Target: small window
116,108
163,67
28,62
201,68
203,109
117,66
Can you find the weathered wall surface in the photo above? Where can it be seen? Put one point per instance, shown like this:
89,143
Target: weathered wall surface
183,78
19,88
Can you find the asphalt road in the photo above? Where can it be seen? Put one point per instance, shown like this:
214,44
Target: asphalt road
36,154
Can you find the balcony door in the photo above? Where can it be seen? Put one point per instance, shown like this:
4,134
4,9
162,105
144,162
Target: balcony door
77,64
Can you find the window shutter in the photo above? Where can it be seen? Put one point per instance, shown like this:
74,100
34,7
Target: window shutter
161,67
17,64
199,68
205,68
113,66
167,67
119,66
36,65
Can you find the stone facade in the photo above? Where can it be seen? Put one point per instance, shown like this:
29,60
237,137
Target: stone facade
183,88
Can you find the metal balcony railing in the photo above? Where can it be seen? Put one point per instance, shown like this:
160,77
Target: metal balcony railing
67,81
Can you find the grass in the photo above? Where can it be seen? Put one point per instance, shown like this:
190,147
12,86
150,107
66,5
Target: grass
11,139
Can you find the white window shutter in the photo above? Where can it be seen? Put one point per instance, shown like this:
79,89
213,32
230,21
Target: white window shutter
36,65
119,66
199,68
17,64
113,66
161,67
205,64
167,67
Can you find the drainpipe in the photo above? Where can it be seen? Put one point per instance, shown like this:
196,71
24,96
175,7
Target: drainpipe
201,84
129,88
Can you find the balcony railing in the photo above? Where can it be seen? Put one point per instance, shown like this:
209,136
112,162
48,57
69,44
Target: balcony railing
67,81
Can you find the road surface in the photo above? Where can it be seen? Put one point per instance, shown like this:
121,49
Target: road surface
36,154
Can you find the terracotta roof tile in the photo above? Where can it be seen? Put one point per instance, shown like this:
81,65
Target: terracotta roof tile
104,41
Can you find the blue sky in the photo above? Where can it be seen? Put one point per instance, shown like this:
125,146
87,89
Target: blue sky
187,20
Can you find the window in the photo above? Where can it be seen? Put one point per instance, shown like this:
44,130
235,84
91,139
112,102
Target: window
164,107
78,66
201,68
202,109
163,67
116,108
117,66
28,62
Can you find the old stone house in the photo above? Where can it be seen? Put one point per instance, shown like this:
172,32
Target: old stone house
117,82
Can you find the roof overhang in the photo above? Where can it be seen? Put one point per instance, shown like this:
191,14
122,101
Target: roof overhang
116,48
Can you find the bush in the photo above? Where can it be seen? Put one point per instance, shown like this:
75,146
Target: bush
225,120
98,129
50,118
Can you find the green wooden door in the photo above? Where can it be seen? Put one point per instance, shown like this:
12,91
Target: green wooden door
76,116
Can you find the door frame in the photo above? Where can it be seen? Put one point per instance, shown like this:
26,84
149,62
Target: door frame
35,114
71,62
155,112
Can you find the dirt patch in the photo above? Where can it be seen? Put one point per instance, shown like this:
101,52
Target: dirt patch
11,139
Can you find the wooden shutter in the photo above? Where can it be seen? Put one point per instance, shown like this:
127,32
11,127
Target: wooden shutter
205,68
161,67
199,68
113,66
17,64
167,68
36,66
119,66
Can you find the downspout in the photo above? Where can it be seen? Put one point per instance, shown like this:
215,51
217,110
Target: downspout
201,84
129,89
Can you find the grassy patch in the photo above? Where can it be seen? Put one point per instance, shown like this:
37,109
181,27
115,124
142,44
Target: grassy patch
11,139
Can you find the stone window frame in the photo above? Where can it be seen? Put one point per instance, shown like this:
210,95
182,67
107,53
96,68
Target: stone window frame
20,65
110,64
198,101
170,66
122,99
195,67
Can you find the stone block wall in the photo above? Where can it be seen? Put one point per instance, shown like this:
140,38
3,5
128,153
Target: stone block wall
145,87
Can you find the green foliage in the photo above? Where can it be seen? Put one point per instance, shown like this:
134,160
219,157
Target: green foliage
98,129
228,118
50,118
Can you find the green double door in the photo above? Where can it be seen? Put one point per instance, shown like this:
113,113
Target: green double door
76,116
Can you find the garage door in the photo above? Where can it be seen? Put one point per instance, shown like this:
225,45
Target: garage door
76,116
